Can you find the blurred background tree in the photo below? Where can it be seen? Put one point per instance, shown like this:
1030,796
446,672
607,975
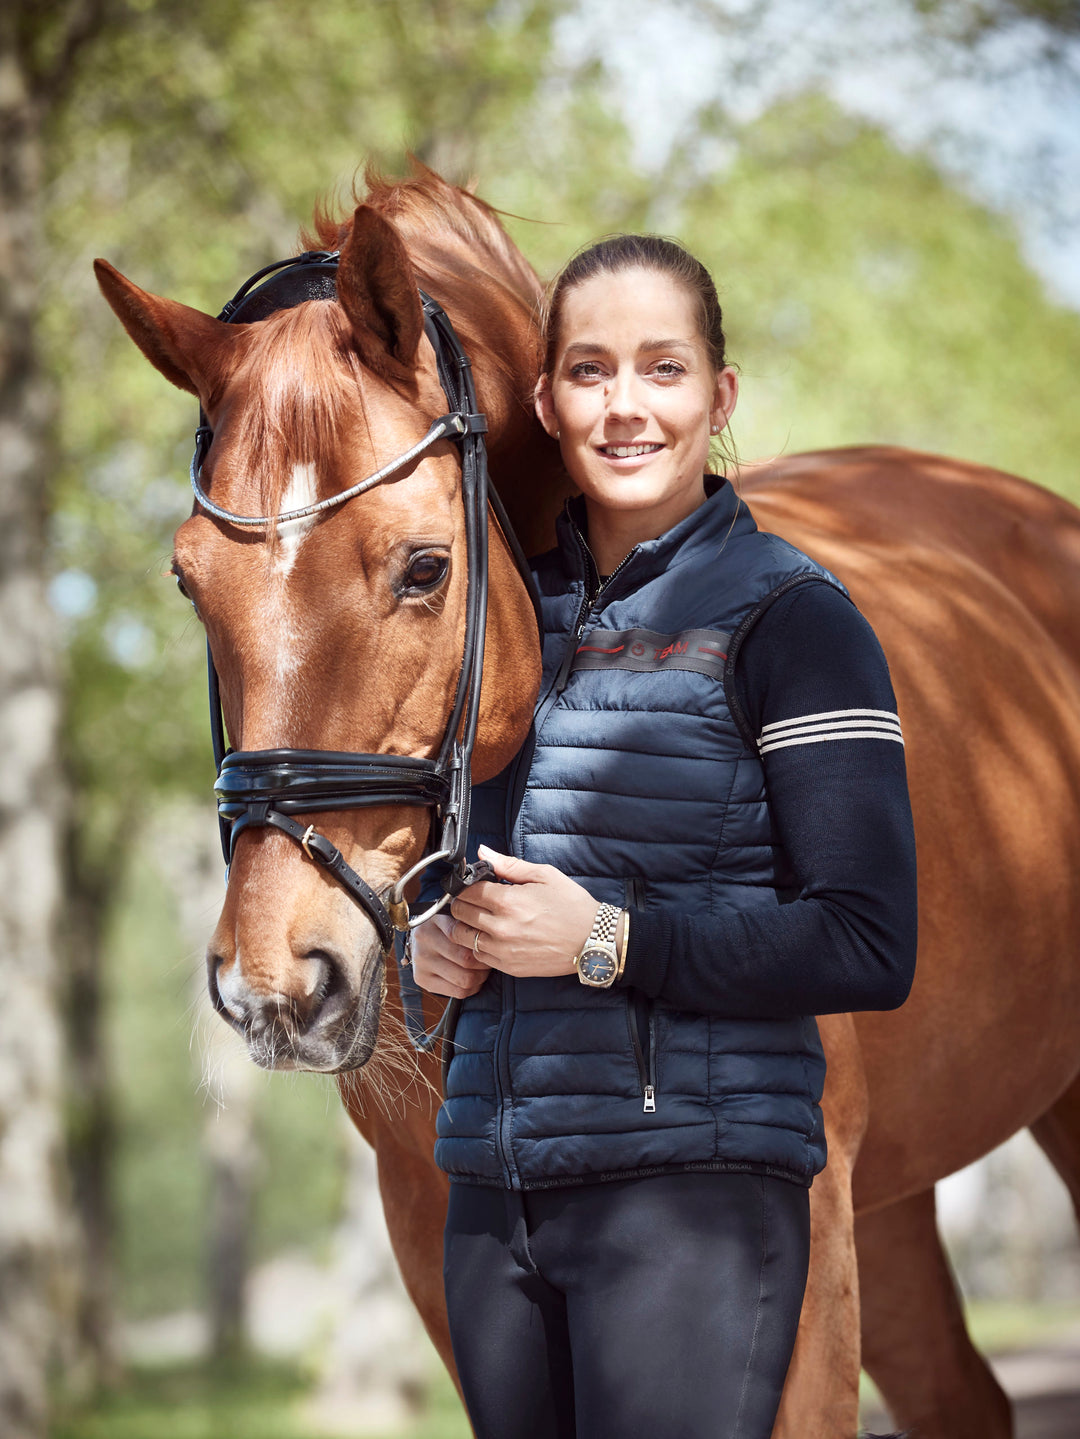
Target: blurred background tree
869,297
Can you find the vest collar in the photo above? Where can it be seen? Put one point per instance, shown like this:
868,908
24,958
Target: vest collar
721,517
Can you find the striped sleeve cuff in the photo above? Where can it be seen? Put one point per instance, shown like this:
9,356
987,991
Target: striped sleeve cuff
830,725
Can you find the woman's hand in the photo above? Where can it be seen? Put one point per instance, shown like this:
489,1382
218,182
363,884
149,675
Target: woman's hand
442,966
533,926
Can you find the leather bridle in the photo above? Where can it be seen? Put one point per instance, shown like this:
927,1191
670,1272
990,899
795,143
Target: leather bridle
281,787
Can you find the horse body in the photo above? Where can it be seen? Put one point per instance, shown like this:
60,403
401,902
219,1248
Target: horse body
971,580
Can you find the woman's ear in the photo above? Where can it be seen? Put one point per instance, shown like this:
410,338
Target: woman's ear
545,408
725,397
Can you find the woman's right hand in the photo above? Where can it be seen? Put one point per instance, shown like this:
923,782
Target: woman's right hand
442,966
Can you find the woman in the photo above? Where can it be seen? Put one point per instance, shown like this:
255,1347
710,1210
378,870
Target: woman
705,842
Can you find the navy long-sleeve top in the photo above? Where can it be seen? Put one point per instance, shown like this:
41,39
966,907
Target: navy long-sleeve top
807,676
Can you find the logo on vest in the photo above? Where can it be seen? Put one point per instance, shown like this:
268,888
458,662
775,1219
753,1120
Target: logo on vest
704,651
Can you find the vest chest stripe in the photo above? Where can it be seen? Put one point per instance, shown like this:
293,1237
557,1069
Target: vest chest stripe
703,651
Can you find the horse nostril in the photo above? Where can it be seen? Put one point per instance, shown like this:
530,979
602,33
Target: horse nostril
227,1003
306,991
325,982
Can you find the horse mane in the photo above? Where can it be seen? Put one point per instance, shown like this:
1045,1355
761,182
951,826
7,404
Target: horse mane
304,367
439,222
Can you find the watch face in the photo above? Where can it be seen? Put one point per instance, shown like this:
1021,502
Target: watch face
597,966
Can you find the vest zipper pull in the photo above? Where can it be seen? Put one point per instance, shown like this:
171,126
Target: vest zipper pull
568,660
650,1099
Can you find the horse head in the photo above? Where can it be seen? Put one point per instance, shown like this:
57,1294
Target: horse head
340,631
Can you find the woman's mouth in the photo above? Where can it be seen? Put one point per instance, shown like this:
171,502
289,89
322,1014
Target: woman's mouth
627,452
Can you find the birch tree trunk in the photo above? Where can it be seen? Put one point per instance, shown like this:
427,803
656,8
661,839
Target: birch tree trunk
228,1077
34,1229
380,1361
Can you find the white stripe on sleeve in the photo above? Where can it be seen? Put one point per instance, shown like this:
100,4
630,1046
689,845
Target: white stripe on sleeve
830,725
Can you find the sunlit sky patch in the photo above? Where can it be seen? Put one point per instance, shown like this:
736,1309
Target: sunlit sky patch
1003,124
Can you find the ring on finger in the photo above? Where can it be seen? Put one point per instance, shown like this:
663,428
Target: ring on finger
476,943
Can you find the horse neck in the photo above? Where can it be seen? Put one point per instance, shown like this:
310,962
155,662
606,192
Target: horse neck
495,317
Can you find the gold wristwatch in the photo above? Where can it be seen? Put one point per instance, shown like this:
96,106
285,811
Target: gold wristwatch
597,963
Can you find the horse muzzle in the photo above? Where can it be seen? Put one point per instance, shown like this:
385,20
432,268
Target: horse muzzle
326,1020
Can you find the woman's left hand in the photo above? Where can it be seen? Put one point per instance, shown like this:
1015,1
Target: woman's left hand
533,926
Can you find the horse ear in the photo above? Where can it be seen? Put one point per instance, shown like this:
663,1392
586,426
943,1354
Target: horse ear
376,287
187,346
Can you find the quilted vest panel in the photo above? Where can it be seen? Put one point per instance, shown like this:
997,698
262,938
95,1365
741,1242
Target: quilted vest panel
638,782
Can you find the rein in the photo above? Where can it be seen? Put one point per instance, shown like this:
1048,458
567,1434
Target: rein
279,788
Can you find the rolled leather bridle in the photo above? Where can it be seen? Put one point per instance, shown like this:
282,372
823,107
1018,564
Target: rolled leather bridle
278,788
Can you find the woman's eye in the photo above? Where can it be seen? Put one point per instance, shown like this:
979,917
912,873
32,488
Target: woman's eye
669,369
426,571
585,370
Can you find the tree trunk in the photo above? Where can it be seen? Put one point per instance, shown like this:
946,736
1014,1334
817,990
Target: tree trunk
90,892
33,1217
379,1361
230,1145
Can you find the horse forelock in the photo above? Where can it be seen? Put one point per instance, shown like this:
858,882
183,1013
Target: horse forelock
302,375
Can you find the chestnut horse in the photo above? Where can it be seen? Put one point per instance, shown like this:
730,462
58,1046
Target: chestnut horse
971,579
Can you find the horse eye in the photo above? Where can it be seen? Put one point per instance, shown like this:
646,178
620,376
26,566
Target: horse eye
184,591
426,571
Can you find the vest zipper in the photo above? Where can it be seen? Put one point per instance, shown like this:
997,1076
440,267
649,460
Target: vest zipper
563,677
637,1007
635,899
503,1083
588,604
649,1106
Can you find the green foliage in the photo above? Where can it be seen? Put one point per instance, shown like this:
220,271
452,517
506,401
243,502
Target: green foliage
969,19
868,302
256,1401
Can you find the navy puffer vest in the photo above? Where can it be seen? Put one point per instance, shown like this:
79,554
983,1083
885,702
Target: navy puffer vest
639,783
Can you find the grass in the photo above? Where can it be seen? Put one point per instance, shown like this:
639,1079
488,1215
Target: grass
260,1400
998,1325
252,1400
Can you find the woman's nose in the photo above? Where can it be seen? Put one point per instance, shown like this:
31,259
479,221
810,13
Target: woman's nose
624,397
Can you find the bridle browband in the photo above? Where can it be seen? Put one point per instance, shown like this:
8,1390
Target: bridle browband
279,788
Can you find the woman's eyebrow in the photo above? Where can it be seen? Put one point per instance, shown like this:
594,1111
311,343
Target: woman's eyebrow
665,345
593,347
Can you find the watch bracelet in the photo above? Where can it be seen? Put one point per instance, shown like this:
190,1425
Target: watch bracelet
605,930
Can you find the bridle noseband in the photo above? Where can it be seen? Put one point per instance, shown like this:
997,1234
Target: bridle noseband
280,787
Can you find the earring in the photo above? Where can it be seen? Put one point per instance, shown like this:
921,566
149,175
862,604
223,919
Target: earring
715,430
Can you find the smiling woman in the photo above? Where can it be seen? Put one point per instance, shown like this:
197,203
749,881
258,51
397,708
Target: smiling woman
634,414
705,842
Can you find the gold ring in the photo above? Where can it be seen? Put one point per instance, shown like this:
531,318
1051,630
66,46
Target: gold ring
476,943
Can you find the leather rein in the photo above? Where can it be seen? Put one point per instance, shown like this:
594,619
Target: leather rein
279,788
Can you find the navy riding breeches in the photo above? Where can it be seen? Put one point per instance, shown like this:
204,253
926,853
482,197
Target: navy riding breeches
655,1308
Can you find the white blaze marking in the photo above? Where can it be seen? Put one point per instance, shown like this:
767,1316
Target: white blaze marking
302,490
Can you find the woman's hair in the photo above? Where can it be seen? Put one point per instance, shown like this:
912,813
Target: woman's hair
615,253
